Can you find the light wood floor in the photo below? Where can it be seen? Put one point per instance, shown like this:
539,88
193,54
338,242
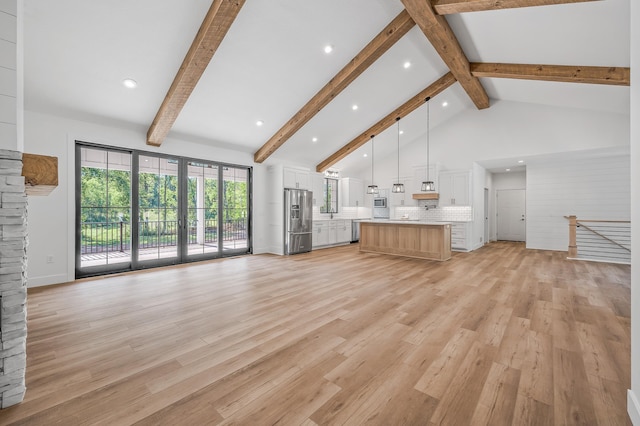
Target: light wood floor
499,336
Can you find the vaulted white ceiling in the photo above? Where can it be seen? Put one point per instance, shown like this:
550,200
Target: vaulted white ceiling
272,62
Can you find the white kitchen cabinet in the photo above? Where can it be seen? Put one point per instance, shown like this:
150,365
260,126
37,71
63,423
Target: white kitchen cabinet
420,175
317,187
403,198
351,192
343,231
320,233
333,232
327,233
455,188
296,178
460,236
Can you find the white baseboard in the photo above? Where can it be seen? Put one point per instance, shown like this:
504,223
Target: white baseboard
633,408
46,280
276,250
260,250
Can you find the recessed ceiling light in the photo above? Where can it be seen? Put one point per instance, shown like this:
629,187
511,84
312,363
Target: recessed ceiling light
520,161
364,155
507,170
406,65
259,123
130,83
314,140
445,104
402,132
355,107
328,48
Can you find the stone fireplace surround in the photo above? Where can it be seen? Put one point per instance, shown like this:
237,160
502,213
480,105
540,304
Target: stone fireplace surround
13,279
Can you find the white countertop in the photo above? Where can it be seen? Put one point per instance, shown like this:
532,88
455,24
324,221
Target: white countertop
405,222
322,219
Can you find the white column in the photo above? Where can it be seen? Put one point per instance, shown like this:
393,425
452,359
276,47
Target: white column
633,406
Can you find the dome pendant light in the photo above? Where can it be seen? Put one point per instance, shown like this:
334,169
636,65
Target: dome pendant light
428,184
372,189
398,187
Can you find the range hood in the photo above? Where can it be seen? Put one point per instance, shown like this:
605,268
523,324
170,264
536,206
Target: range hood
425,196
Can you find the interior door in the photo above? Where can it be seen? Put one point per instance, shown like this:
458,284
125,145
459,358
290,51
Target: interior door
511,218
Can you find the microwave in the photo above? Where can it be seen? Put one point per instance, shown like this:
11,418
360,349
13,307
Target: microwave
380,202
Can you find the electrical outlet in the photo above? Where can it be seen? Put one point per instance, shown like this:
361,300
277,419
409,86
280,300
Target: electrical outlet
49,258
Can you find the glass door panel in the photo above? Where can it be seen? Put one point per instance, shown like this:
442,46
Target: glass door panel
235,202
104,234
157,208
202,208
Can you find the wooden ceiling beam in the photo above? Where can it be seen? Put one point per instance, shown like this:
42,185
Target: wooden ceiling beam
437,30
367,56
617,76
445,7
403,110
214,28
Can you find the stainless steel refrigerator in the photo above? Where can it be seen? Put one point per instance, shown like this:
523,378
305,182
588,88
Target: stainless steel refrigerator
298,220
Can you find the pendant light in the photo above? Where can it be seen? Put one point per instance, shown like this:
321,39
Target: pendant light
398,187
428,184
372,189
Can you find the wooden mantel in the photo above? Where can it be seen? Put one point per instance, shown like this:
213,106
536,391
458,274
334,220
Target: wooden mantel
40,174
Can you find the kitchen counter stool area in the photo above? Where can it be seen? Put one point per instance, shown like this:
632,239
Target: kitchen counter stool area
424,240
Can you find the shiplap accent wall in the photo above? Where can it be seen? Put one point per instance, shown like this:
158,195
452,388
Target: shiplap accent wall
8,74
596,189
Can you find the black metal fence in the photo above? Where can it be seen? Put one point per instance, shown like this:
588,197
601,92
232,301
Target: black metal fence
101,237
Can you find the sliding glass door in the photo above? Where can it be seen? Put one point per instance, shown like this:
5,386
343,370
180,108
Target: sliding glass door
183,210
202,209
235,212
103,210
158,227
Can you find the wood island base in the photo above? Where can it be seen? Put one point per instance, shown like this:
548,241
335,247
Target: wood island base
411,239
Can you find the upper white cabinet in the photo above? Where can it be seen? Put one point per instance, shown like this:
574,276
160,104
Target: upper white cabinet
455,188
351,192
403,198
296,178
420,175
317,187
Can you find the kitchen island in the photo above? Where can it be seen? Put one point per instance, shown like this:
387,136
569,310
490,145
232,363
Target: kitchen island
424,240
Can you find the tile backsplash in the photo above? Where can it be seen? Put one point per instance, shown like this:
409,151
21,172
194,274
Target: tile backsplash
446,214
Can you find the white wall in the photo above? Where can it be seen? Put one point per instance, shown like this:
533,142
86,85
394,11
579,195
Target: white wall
500,181
512,130
634,394
51,218
10,83
505,130
593,188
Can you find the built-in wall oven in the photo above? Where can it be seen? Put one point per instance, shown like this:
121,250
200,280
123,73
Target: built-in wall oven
380,202
380,209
